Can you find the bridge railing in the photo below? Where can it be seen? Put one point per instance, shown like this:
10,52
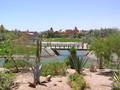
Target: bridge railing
65,45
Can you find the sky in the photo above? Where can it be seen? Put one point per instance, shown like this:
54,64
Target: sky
40,15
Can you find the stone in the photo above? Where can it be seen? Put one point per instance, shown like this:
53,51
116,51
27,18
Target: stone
33,85
93,68
60,80
71,71
54,84
48,78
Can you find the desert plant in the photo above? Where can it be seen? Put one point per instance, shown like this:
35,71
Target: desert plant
6,81
116,83
76,62
21,64
77,82
37,66
53,69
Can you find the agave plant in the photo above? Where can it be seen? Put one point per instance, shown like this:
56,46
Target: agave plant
116,77
116,83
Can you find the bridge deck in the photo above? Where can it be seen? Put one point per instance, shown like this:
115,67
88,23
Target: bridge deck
69,49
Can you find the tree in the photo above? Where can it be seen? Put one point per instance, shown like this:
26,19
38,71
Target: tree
20,46
6,49
104,47
2,28
102,50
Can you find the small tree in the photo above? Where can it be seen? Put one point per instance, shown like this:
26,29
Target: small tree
102,50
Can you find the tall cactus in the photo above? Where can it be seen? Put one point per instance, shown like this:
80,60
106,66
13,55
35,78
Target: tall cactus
37,66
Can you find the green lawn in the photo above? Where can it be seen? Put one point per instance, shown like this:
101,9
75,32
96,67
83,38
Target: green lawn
61,40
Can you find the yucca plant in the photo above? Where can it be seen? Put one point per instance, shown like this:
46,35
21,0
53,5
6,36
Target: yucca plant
76,62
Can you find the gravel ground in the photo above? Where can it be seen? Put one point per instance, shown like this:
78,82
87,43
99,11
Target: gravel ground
98,81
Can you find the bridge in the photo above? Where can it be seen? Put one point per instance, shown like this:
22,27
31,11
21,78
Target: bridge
65,45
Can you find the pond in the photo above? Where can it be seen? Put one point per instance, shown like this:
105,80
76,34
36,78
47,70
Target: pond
63,54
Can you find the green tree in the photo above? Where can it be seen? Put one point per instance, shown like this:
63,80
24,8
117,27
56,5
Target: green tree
102,50
2,28
104,47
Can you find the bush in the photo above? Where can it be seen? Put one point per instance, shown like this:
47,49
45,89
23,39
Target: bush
21,64
116,86
53,69
116,83
77,82
6,81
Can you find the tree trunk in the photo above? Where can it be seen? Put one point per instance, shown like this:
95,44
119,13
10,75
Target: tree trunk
16,67
101,64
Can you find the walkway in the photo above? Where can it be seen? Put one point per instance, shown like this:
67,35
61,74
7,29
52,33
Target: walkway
97,81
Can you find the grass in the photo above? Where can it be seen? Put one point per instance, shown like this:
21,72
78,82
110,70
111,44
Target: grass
61,40
116,79
6,81
112,66
53,69
77,82
21,64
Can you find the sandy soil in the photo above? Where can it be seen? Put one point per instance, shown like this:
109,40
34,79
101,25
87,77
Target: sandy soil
95,80
98,81
57,83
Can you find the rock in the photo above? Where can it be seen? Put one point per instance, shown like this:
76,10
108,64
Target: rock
32,85
54,84
48,78
60,80
93,68
71,71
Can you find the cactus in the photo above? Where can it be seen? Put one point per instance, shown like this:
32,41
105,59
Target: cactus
37,66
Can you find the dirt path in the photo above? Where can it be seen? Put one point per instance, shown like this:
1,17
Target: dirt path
97,81
57,83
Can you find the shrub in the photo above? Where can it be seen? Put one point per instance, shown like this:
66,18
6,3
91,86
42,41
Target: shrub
116,86
21,64
77,82
116,83
75,62
53,69
6,81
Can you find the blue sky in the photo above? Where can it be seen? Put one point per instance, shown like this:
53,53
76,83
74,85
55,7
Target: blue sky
39,15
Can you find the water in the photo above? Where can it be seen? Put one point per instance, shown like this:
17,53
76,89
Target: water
63,54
